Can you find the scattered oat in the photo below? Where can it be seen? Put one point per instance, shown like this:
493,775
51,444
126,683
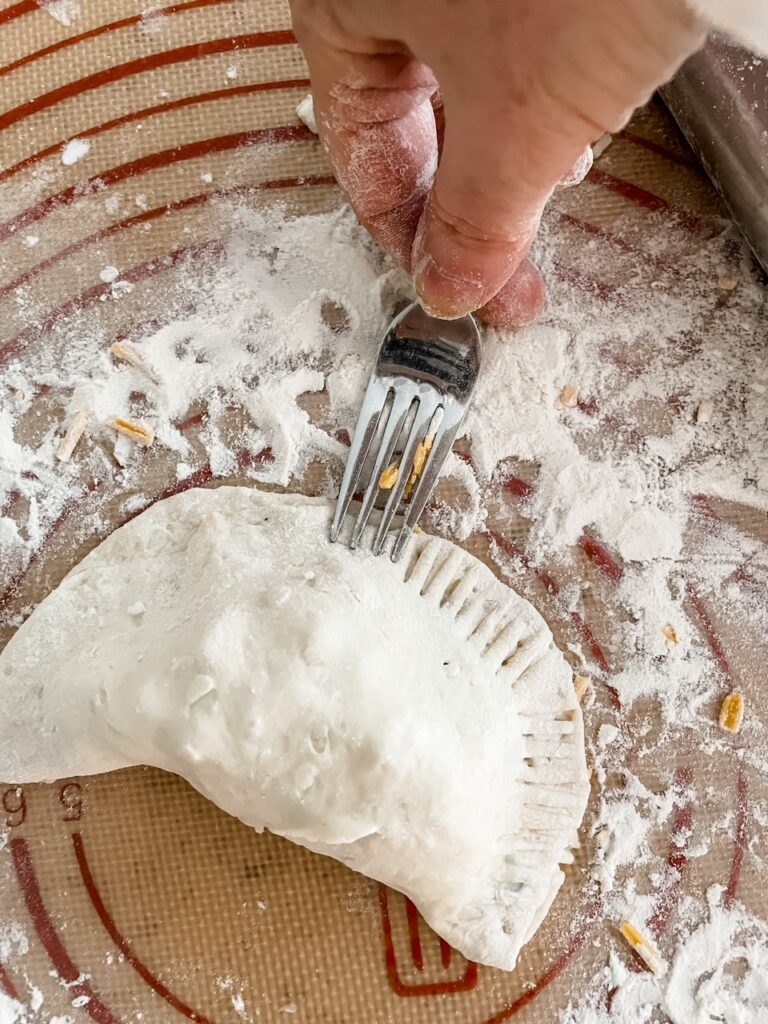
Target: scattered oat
568,397
69,442
389,476
288,1008
645,949
704,411
126,353
599,147
581,684
671,634
137,432
423,448
306,113
732,712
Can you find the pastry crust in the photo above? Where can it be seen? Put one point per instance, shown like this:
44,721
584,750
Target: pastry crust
415,721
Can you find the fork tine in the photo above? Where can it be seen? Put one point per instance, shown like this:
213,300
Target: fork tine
423,418
404,397
375,399
441,448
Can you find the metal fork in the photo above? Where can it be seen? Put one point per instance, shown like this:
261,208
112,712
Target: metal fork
416,400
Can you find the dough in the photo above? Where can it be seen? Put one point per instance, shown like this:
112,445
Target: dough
415,721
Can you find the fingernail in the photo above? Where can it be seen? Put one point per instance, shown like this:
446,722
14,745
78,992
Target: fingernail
443,294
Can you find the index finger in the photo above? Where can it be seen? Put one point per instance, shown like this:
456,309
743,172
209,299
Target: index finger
375,118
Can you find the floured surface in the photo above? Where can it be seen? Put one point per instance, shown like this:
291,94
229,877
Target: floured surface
654,313
414,721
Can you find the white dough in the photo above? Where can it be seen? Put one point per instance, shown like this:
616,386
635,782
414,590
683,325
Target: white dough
414,721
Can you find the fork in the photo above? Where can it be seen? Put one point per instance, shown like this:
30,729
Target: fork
415,402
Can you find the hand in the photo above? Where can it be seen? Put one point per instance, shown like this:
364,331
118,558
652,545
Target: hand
525,85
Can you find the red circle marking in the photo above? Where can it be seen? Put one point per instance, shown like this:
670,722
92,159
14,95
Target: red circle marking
677,859
650,201
553,587
600,556
552,972
121,942
161,211
708,628
740,839
6,985
16,11
49,937
159,108
684,159
98,30
147,62
153,161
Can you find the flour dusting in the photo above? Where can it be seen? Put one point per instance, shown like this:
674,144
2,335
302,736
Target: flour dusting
719,974
255,366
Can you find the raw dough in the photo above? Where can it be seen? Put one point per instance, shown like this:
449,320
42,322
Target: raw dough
414,721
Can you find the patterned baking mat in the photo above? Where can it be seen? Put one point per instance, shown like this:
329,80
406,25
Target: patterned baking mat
129,897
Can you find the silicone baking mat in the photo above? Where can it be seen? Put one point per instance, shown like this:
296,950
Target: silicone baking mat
135,898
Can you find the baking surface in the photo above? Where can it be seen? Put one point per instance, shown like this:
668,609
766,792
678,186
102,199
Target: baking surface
138,899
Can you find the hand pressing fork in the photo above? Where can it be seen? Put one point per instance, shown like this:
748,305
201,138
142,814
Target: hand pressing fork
414,404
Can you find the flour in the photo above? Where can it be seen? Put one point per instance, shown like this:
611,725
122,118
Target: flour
288,305
258,310
11,1010
63,11
75,150
14,945
719,973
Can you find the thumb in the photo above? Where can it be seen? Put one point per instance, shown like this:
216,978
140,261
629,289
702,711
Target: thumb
514,127
481,215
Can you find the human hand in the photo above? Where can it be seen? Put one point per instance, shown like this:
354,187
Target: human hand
526,86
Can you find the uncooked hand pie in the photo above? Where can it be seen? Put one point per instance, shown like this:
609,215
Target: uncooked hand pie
414,721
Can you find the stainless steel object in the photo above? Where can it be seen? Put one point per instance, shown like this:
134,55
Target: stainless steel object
719,98
413,407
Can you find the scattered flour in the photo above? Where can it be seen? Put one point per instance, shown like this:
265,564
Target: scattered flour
153,20
75,150
63,11
719,974
287,313
109,274
11,1010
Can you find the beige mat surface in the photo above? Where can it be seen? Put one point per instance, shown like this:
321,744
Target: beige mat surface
129,897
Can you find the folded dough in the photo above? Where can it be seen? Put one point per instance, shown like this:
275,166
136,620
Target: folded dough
414,721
